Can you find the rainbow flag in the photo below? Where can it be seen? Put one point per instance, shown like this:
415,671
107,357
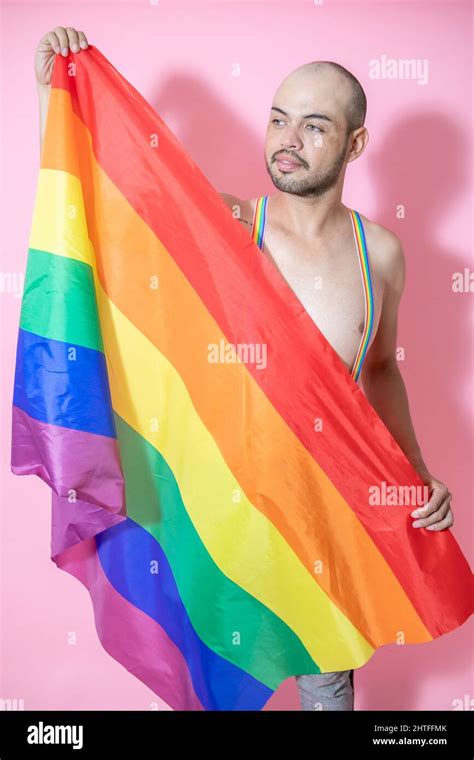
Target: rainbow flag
220,484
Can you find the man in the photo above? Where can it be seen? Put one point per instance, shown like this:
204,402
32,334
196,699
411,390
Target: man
316,128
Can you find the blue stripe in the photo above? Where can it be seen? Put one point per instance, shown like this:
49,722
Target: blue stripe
63,384
126,552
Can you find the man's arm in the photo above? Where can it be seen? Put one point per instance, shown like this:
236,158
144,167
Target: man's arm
230,200
240,209
381,378
385,390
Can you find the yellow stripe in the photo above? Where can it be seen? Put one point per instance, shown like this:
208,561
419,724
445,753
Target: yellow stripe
244,544
59,200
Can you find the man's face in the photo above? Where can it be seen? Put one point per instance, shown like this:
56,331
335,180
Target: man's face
307,128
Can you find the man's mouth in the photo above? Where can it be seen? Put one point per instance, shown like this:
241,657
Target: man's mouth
287,164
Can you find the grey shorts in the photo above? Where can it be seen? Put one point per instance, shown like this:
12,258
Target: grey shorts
326,691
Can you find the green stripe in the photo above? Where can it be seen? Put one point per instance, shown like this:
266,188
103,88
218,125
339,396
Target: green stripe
59,300
268,648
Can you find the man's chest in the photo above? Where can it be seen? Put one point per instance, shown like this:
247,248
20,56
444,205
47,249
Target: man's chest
331,282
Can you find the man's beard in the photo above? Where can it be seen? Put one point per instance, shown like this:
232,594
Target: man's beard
307,186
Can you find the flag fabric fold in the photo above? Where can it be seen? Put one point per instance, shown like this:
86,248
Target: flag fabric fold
220,484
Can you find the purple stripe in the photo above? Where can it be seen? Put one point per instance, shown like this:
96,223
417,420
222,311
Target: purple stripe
72,522
129,635
69,460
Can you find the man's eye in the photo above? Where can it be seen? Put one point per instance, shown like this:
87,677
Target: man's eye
277,121
316,128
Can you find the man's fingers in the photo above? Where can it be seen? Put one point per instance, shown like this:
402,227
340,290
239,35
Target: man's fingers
73,39
48,41
440,493
436,516
83,40
447,522
63,40
53,39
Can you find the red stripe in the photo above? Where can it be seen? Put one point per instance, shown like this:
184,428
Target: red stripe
305,378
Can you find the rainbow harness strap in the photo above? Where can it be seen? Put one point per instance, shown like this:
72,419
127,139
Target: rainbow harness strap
258,234
218,479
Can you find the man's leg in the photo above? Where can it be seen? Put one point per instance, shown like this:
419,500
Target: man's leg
326,691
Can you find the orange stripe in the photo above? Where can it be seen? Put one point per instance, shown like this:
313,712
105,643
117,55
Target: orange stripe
323,528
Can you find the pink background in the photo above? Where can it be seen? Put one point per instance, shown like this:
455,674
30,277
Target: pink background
180,57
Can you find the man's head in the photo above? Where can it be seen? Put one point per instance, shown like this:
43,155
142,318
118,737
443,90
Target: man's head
317,119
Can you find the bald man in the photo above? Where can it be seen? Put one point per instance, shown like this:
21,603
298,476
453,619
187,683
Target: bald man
315,129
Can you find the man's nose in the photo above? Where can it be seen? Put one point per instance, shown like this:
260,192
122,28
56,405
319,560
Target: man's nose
291,139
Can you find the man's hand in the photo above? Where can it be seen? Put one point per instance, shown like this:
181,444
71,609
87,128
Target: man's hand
436,514
57,41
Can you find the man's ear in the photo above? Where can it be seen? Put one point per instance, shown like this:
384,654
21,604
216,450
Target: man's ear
359,140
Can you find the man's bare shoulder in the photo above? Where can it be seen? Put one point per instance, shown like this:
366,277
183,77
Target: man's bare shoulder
385,250
241,209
